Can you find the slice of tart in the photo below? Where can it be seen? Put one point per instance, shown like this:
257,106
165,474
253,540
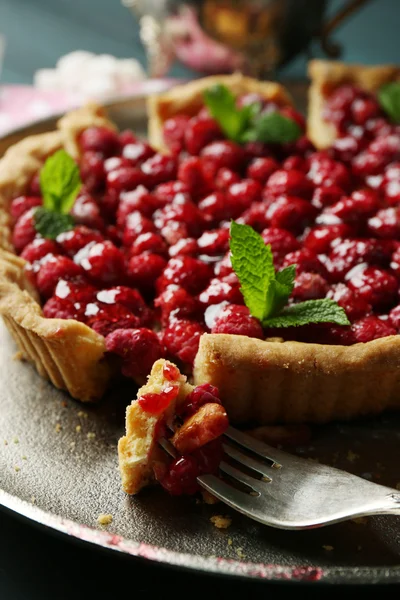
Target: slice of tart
190,418
343,95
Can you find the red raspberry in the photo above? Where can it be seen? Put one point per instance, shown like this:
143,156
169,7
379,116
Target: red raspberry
148,242
371,328
103,262
100,139
255,216
86,212
326,195
309,286
58,308
214,207
391,183
181,477
337,109
139,349
214,242
156,403
367,163
354,304
54,269
304,260
297,163
76,291
190,273
256,150
224,267
175,302
344,149
174,132
201,395
159,168
144,270
73,241
166,192
224,289
139,200
125,179
115,162
24,231
184,247
224,154
289,212
241,195
395,262
225,178
20,205
360,205
199,133
92,171
364,109
135,225
394,317
376,286
292,183
237,320
137,152
291,113
34,186
193,174
128,297
327,172
348,253
386,223
106,318
183,210
173,232
181,339
38,249
319,239
260,169
282,242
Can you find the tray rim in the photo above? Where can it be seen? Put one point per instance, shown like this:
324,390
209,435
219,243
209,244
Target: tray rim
140,551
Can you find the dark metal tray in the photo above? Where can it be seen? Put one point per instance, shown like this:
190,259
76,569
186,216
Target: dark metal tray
58,467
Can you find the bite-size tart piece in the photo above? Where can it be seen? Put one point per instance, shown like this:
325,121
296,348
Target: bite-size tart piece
192,419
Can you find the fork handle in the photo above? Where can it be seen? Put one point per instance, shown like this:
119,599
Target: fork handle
389,505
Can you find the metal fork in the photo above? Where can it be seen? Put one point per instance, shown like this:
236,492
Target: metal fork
287,492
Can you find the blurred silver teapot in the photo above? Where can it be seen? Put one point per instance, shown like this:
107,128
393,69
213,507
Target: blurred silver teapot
221,36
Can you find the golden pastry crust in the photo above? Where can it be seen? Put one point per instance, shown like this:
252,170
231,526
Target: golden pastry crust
293,382
325,77
138,450
188,99
67,352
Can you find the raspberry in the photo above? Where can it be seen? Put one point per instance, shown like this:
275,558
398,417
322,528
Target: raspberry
171,372
115,162
297,163
144,270
214,207
135,225
138,348
139,200
291,113
54,269
395,262
360,205
92,171
184,247
166,192
38,249
255,216
190,273
148,242
289,212
137,152
386,223
125,179
128,297
337,109
106,318
175,302
309,286
237,320
100,139
34,185
58,308
76,290
371,328
201,395
319,239
260,169
292,183
86,212
224,267
127,137
394,317
181,339
193,174
199,133
304,260
24,231
326,195
103,262
222,289
391,183
328,172
224,154
224,178
345,148
22,204
183,210
174,132
173,232
156,403
351,252
282,242
354,304
159,168
73,241
241,195
214,242
376,286
181,477
364,109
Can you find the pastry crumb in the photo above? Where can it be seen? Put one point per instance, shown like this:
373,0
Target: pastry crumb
24,457
221,522
58,427
82,414
64,403
33,499
104,519
239,552
209,498
230,541
360,520
91,435
352,456
5,443
16,440
327,548
18,355
17,468
78,428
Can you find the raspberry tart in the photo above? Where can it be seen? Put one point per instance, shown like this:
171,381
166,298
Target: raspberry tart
136,262
169,409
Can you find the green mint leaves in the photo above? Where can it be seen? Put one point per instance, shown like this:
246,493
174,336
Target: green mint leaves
247,124
266,291
60,183
389,99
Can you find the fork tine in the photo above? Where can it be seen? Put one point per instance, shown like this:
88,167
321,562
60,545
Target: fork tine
242,502
247,461
237,475
246,441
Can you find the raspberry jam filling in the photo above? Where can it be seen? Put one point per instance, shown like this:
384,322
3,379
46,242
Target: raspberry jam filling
147,261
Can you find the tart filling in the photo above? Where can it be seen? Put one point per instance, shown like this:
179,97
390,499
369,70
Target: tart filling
190,418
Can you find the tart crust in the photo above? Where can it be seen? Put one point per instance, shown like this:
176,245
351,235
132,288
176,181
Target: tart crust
188,99
327,75
67,352
295,382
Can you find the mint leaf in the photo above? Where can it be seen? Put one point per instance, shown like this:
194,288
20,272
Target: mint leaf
253,264
50,223
60,182
222,105
283,287
389,99
311,311
272,128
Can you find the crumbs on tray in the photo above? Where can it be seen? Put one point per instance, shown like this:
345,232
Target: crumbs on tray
221,522
104,519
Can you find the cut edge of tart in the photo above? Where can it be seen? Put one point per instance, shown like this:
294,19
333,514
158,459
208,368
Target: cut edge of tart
325,77
157,413
188,99
67,352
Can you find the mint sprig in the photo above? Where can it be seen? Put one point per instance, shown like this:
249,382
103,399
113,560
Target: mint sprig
60,183
389,99
267,291
247,124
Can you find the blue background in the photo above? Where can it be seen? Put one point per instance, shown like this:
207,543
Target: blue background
39,31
